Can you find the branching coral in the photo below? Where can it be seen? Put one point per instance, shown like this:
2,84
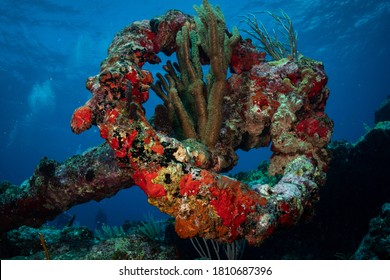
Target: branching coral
191,97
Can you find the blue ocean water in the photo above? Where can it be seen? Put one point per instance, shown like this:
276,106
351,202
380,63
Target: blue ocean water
48,48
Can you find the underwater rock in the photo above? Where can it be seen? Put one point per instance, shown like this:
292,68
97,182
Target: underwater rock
25,240
376,244
383,113
26,243
55,187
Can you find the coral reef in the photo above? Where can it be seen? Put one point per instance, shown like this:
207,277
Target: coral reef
55,187
177,162
67,243
355,190
376,244
334,232
131,247
79,243
280,102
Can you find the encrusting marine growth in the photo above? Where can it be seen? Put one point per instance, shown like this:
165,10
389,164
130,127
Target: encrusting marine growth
176,158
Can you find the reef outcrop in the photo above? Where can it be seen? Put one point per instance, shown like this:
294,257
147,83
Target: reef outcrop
176,158
55,187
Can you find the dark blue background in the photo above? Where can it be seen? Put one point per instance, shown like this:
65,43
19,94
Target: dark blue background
48,48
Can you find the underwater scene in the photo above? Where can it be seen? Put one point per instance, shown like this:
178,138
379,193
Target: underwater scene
203,129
